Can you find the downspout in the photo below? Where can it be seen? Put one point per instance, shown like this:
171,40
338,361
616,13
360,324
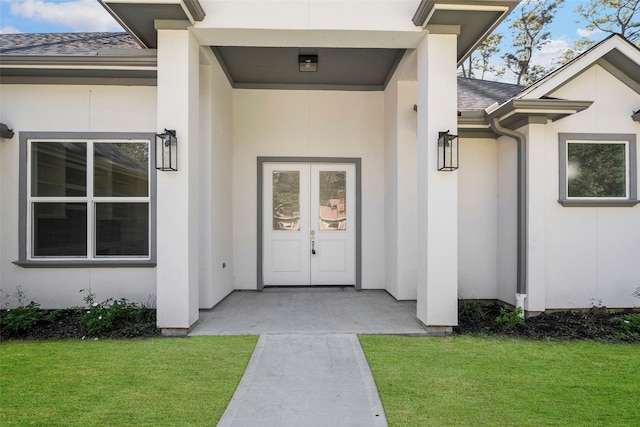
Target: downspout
521,286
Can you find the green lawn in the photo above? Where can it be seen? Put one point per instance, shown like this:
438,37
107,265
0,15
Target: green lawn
149,382
476,381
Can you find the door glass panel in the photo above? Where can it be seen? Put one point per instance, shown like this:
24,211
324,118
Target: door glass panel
333,198
286,200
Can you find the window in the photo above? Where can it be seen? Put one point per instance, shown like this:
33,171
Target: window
86,198
598,170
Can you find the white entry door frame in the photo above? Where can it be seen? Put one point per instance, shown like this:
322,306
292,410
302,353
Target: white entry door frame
307,271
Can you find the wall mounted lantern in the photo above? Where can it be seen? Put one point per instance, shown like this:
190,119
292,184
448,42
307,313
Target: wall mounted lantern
167,151
307,63
447,151
5,132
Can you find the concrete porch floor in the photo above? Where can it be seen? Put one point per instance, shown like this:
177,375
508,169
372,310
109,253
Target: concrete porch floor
316,310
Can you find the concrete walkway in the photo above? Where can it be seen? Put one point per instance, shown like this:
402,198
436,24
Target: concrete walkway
308,368
306,380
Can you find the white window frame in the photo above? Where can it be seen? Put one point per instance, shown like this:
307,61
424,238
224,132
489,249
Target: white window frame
26,243
629,141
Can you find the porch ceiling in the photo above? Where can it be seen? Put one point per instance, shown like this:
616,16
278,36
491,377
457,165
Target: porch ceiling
338,68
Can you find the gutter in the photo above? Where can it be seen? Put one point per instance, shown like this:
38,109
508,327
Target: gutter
521,287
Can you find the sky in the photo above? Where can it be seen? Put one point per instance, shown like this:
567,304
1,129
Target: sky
50,16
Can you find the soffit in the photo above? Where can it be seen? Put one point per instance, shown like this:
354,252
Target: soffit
138,17
476,19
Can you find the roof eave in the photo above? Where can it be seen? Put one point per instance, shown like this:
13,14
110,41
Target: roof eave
518,112
123,70
476,19
138,17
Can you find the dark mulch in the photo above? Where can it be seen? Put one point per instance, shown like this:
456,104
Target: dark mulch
596,324
475,319
66,324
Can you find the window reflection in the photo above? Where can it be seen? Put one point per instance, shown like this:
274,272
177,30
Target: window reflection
596,170
333,206
121,169
286,200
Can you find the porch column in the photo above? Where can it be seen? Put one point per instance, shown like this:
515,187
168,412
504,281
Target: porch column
437,290
536,204
177,198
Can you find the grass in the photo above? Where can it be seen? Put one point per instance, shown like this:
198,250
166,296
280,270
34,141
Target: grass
475,381
177,382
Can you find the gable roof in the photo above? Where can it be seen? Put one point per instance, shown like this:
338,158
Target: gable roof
615,54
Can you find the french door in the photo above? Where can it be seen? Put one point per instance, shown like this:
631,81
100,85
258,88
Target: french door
308,224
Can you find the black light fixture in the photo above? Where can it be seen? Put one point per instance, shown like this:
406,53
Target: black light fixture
5,132
167,151
307,63
447,151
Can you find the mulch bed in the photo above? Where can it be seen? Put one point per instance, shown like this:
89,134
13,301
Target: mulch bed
66,324
597,324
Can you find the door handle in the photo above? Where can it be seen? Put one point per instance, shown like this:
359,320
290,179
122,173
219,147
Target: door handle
313,242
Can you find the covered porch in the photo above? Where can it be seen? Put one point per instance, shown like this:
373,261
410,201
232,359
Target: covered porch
317,310
233,87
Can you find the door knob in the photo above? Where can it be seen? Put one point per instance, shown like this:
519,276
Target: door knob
313,242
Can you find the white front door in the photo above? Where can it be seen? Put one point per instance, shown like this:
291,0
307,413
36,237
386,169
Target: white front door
308,224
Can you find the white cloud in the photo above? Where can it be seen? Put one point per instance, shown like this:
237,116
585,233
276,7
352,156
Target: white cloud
8,29
587,33
79,15
549,52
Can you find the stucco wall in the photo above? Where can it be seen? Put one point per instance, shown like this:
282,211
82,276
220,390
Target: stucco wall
216,133
477,219
593,254
67,109
401,181
307,123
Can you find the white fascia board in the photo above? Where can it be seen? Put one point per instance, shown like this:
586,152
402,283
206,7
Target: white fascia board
565,74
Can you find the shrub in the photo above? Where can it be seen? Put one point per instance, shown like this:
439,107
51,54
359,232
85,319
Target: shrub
471,310
631,322
101,317
22,318
509,318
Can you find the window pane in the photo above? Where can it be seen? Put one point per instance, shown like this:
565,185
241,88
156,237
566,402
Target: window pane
122,229
58,169
121,169
286,200
333,197
596,170
59,229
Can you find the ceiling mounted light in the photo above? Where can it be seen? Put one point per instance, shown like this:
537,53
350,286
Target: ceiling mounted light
307,63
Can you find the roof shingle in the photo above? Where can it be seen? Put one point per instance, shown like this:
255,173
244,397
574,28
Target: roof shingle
67,44
474,94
